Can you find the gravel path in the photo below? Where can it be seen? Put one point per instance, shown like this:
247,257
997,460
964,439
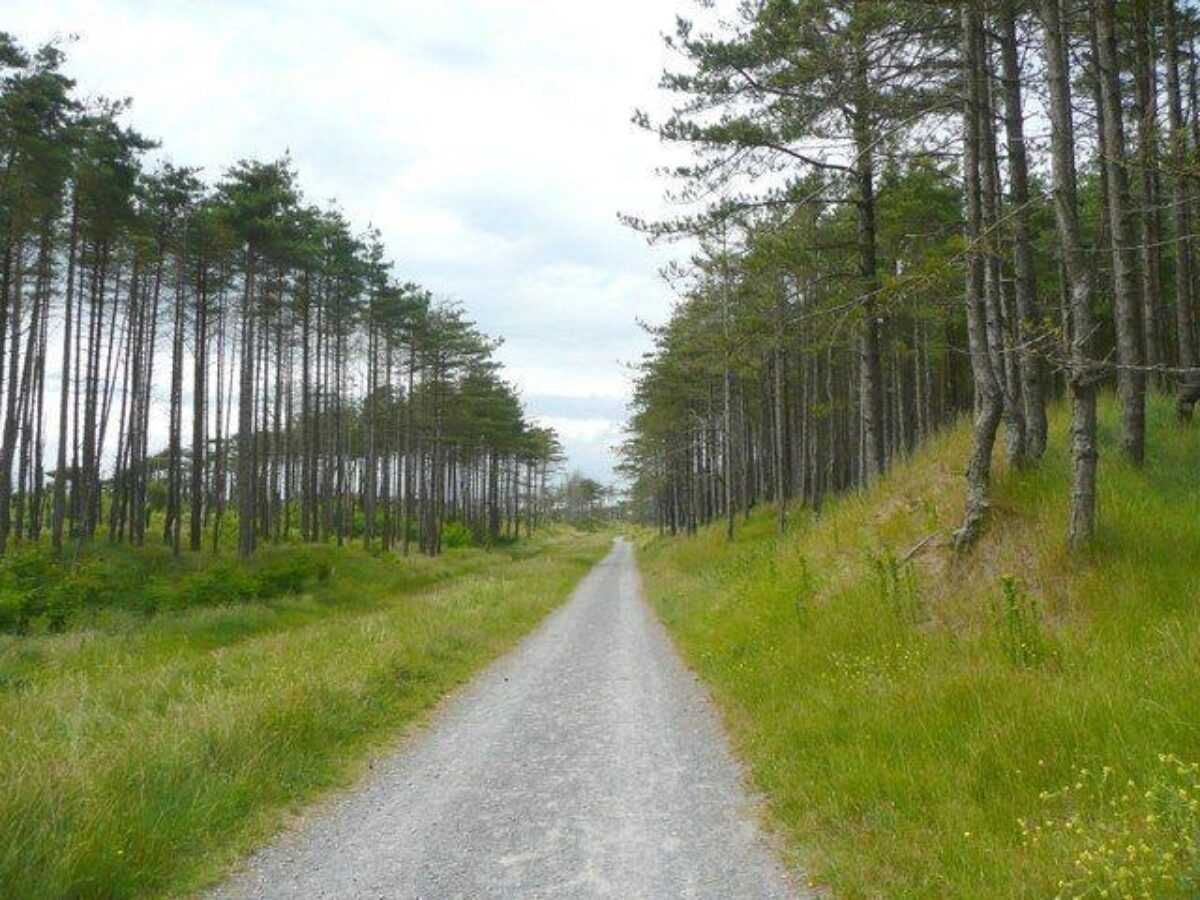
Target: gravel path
587,763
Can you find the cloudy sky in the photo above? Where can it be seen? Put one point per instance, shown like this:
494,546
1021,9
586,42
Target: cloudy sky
488,139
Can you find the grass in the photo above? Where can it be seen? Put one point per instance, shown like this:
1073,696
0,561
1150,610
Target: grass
142,756
1015,722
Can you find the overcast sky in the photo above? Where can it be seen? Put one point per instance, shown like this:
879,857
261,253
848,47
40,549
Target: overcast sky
488,139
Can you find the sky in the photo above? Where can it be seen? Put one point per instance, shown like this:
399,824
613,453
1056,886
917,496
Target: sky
489,140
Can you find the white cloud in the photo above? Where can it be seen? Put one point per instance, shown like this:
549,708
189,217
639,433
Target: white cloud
490,141
588,442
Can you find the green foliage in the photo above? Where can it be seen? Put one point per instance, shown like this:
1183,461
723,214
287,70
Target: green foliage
456,535
896,586
39,592
222,583
583,502
10,612
1018,624
25,586
292,572
94,583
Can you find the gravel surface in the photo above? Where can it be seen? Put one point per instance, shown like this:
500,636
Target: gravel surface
587,763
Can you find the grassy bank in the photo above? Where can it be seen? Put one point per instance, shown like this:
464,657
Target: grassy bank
140,756
1015,722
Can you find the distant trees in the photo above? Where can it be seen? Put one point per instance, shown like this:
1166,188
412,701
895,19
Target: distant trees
328,400
884,247
582,501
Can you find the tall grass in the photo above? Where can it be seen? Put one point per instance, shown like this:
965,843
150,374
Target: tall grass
140,757
910,726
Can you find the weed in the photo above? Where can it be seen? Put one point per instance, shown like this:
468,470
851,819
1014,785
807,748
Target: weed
896,586
1018,624
1115,839
804,588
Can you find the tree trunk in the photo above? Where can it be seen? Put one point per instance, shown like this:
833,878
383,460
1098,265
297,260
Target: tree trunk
199,410
1131,377
1024,270
1181,213
64,388
870,366
1078,279
247,494
1150,219
989,397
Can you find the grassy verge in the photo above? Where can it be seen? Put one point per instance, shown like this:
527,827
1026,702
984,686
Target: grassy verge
1017,722
142,756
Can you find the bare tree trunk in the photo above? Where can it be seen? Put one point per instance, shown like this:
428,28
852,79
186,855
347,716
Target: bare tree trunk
409,482
727,403
1024,271
1131,377
778,407
370,412
1150,219
989,397
172,524
64,388
870,366
998,300
246,470
1181,212
199,408
1079,279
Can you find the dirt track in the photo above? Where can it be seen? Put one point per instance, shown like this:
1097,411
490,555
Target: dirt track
587,763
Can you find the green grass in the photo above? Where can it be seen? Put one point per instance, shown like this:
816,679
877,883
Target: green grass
142,756
1015,722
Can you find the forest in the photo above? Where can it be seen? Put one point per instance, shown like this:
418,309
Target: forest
224,363
910,212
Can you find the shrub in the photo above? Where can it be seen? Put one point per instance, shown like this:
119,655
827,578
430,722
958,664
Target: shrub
27,567
456,535
230,582
279,577
10,612
45,590
292,572
28,572
220,584
60,607
38,590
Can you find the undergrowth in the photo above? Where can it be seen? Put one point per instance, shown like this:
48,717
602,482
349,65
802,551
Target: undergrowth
1119,839
41,593
143,755
904,709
